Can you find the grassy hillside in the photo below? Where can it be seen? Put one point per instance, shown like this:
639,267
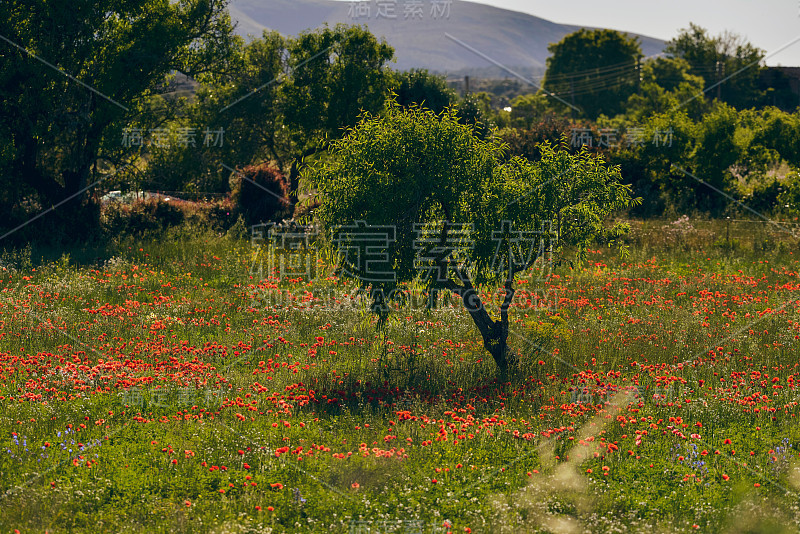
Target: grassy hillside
514,39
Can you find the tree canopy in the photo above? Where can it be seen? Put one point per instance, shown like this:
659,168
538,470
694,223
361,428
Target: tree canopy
418,86
594,70
57,126
727,59
428,175
286,96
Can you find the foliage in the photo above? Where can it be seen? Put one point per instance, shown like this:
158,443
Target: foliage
261,194
418,86
433,168
59,129
727,57
151,216
594,70
788,199
529,110
413,169
666,85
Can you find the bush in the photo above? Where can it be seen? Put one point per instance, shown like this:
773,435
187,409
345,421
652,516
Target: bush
223,214
149,216
261,194
764,197
418,86
525,142
788,198
215,215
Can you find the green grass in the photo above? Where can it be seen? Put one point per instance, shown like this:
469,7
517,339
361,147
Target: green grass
149,354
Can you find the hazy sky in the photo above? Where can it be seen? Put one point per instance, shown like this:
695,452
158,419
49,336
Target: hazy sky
768,24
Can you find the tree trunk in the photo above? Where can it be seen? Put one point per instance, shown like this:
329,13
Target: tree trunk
496,343
294,183
494,333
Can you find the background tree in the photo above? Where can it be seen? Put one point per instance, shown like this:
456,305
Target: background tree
717,58
418,86
60,131
594,70
413,167
668,72
666,84
245,103
336,74
715,153
651,166
283,97
474,111
529,109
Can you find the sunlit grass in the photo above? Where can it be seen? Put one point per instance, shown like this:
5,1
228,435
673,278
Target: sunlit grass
166,373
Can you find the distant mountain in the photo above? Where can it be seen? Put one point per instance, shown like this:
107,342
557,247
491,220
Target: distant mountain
417,31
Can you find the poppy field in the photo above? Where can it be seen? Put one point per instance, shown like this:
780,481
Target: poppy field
145,392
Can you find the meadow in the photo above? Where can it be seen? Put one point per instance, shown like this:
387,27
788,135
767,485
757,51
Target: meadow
143,388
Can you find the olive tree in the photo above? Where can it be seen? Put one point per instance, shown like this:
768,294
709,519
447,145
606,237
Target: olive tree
413,169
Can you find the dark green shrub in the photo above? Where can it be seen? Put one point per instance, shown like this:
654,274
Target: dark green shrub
149,216
418,86
764,196
261,194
